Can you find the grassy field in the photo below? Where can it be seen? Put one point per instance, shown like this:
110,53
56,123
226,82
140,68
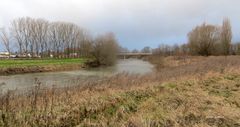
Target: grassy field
38,62
17,66
192,92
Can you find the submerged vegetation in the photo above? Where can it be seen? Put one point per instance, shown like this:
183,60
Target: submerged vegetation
195,91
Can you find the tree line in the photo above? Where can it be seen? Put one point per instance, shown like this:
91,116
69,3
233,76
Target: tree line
208,39
41,38
205,39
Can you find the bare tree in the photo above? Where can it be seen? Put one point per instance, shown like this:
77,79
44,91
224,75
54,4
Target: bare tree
85,44
74,32
53,38
5,37
17,32
238,48
69,39
31,34
163,50
61,39
105,49
41,31
135,51
56,37
226,37
146,49
184,49
123,49
202,39
26,26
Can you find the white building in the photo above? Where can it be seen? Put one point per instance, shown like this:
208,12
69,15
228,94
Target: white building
4,54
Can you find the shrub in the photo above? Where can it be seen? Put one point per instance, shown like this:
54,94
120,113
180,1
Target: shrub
105,49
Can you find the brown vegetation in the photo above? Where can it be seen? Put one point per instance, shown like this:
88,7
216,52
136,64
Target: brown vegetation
211,40
105,49
201,92
204,40
226,37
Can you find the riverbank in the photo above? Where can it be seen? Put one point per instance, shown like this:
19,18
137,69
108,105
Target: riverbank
203,92
62,78
8,67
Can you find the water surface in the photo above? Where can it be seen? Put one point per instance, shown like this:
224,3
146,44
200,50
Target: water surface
23,81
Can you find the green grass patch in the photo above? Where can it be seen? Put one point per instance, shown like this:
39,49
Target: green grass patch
223,93
170,85
39,62
231,77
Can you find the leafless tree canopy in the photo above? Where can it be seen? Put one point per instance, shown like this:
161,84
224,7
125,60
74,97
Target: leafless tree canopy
5,38
105,49
202,39
41,38
210,39
226,37
205,40
146,50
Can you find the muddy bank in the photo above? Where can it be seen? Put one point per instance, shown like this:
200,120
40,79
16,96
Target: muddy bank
38,69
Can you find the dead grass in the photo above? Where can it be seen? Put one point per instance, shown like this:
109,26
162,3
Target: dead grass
200,93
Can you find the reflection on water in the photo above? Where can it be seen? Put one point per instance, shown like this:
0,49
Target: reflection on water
67,77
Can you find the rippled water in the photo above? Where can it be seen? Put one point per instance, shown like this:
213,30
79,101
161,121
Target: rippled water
67,77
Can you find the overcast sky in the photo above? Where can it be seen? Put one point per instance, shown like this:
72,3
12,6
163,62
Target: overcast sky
136,23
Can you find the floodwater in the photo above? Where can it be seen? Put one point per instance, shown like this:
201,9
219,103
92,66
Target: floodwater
23,81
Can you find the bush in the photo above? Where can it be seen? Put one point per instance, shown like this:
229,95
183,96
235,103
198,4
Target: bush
208,39
105,49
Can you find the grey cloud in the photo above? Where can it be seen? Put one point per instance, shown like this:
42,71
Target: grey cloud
135,22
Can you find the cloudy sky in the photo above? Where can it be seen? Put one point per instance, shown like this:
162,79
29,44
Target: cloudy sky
136,23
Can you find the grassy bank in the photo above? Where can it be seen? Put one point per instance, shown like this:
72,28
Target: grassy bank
11,66
199,93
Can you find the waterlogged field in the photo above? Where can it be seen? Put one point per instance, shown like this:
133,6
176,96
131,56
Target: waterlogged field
8,63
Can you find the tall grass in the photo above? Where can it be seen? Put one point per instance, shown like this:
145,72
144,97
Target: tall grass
200,93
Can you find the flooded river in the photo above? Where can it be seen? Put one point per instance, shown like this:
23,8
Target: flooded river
23,81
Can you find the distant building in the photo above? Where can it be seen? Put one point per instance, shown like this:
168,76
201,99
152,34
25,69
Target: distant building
4,54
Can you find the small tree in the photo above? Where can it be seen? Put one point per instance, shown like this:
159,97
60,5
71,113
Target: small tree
202,39
105,49
236,48
226,37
